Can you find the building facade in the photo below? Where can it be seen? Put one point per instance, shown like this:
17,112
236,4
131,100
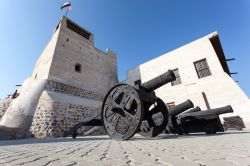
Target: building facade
202,75
77,75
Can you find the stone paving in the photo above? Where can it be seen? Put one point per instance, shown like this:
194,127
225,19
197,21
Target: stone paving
231,148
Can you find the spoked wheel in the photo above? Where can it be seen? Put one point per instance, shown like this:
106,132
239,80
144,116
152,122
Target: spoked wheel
122,112
157,118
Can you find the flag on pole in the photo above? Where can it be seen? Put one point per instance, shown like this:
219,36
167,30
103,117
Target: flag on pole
68,5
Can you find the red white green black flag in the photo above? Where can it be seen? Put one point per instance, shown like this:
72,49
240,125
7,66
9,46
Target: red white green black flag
66,5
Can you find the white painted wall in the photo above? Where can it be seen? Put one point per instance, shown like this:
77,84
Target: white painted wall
220,88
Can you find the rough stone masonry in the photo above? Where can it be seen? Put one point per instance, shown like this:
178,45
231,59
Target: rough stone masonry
77,75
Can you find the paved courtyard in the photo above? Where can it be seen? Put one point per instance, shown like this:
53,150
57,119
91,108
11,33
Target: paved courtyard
231,148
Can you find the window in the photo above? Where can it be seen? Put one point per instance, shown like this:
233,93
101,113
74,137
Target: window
78,30
78,68
178,78
171,104
202,68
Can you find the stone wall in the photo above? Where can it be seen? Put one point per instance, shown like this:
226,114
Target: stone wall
52,117
73,91
4,104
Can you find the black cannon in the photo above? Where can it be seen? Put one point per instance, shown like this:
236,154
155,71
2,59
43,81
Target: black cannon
127,110
174,112
180,108
201,121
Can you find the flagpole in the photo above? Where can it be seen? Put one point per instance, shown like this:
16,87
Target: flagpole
67,11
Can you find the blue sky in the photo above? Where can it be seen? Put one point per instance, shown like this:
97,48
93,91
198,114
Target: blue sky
136,30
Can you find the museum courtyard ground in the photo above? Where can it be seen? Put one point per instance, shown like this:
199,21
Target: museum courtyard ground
229,148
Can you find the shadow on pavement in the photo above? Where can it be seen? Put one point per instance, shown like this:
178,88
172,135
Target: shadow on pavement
105,137
52,140
194,135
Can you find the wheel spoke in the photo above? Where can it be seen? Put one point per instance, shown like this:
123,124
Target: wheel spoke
130,118
110,117
113,103
125,99
114,120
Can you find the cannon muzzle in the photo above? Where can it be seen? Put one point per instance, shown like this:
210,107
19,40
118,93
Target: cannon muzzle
157,82
180,108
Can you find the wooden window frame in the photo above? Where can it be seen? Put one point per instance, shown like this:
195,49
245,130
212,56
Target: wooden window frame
200,69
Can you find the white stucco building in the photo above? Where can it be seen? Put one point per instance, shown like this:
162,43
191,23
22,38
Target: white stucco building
203,77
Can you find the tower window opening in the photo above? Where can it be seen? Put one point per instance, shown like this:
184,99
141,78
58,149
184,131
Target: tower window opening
78,68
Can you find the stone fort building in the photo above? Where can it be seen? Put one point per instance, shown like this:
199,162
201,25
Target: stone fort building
77,75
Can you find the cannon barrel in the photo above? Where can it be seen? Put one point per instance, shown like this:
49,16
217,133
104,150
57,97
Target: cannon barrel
180,108
218,111
222,110
196,109
157,82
